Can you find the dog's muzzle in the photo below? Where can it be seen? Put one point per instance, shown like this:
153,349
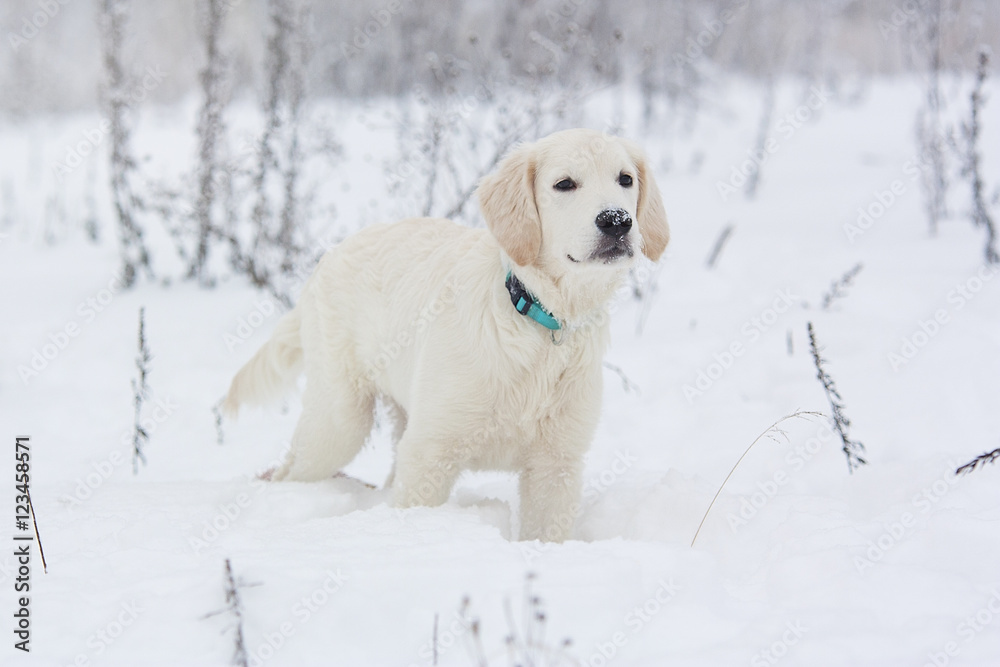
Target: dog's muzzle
614,243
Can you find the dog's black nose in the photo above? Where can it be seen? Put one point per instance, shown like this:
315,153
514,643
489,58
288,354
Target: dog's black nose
615,222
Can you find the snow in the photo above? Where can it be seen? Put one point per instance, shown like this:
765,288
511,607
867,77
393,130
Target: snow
799,562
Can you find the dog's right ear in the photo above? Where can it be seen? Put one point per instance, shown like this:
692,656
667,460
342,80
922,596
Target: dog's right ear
650,215
507,201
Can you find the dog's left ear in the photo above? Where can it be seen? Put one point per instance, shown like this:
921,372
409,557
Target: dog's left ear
507,201
650,215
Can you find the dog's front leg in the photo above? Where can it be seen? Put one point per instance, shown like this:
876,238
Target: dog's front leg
550,488
423,473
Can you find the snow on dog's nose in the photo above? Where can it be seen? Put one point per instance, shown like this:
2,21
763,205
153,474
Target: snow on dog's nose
613,243
614,222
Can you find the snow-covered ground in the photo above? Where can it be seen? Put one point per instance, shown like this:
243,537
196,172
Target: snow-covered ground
799,562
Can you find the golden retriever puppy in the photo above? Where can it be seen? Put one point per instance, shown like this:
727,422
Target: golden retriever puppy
486,343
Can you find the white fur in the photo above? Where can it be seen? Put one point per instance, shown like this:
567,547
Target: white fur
416,312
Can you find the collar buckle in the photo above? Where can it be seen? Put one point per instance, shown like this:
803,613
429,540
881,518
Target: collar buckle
525,304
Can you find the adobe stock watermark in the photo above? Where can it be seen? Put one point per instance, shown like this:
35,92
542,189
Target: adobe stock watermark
267,307
302,611
779,648
794,461
635,620
957,298
567,10
94,137
246,326
58,341
712,30
968,629
884,199
228,514
389,352
102,639
101,471
905,524
448,636
789,124
363,35
750,332
456,109
901,14
31,25
567,37
591,492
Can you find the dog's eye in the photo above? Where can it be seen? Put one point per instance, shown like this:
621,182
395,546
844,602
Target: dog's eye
565,185
624,180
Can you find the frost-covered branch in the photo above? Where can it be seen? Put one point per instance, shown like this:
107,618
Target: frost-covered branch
838,289
979,462
852,449
134,253
972,160
930,131
526,643
210,135
720,243
234,606
140,392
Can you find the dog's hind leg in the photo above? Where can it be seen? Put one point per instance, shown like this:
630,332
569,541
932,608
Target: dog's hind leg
332,429
338,405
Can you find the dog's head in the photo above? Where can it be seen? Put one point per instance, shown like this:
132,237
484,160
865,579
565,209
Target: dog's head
577,198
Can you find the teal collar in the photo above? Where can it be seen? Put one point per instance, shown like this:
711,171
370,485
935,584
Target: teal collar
526,304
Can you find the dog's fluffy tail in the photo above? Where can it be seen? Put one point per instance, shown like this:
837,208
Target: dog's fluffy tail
272,371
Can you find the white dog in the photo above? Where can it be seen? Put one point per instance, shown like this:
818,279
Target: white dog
487,345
